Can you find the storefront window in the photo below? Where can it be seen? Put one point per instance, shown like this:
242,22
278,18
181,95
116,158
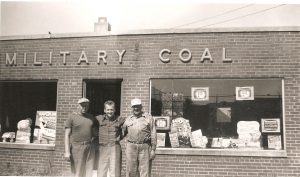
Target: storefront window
218,113
28,112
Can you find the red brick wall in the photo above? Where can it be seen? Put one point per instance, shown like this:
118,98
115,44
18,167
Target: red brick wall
254,54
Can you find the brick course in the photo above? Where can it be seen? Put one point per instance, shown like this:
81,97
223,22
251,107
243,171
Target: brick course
253,54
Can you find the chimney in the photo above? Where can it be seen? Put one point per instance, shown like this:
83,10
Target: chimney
102,26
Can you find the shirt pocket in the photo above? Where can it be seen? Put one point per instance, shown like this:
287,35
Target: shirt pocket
113,128
130,124
145,125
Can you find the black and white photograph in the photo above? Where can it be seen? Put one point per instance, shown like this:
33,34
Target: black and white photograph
160,88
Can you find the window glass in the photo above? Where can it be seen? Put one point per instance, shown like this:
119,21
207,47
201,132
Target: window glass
218,113
28,111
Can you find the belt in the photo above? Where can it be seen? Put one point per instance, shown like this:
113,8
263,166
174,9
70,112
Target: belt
137,142
82,142
109,144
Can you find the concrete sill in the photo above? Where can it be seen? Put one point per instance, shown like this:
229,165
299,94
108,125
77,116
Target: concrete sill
50,147
222,152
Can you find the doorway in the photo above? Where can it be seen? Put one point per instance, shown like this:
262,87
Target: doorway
100,90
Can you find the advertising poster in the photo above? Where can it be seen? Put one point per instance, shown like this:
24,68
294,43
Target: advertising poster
200,93
174,140
274,142
270,125
161,139
244,93
46,120
162,122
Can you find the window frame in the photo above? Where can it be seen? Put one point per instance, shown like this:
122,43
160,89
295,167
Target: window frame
228,152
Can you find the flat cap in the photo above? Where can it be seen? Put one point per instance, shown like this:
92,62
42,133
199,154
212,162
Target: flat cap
136,101
83,100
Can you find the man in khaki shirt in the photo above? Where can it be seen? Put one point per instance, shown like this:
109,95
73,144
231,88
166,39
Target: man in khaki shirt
110,134
141,142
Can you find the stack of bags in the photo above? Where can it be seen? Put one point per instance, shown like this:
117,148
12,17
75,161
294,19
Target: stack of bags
249,134
24,131
197,140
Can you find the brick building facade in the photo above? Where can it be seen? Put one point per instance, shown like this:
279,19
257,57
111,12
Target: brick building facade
70,60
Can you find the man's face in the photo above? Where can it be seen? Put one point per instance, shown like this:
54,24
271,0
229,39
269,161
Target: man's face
137,109
84,107
109,110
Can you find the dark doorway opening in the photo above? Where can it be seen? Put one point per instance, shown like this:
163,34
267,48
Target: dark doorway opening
99,91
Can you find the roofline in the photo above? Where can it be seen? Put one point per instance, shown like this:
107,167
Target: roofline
155,31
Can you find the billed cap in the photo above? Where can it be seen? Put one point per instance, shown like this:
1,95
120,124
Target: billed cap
83,100
136,101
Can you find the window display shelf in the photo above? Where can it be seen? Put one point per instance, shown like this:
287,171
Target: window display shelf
50,147
222,152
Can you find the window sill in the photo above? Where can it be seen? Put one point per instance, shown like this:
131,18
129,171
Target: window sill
49,147
222,152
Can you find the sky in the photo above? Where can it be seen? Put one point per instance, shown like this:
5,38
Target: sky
78,16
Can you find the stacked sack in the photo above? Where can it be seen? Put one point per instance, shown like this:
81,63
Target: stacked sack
249,134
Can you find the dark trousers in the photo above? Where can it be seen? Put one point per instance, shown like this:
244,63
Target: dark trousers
82,161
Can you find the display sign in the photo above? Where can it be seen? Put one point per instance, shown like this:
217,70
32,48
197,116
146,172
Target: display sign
197,140
46,120
162,122
244,93
174,140
182,128
274,142
98,56
270,125
161,139
200,94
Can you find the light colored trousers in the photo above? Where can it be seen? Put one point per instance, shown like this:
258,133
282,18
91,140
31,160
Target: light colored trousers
110,158
82,160
137,159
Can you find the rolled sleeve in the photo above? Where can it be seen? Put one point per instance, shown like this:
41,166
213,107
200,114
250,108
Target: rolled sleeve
68,122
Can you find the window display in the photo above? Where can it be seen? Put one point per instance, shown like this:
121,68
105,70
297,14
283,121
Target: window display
21,103
219,113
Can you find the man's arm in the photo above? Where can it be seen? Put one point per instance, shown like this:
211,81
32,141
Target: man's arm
124,128
122,133
67,154
153,139
95,127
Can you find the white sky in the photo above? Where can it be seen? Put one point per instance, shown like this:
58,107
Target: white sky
39,17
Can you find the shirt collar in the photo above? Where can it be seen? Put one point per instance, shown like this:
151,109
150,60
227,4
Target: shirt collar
106,118
142,115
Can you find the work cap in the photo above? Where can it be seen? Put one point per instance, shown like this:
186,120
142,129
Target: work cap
136,101
83,100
